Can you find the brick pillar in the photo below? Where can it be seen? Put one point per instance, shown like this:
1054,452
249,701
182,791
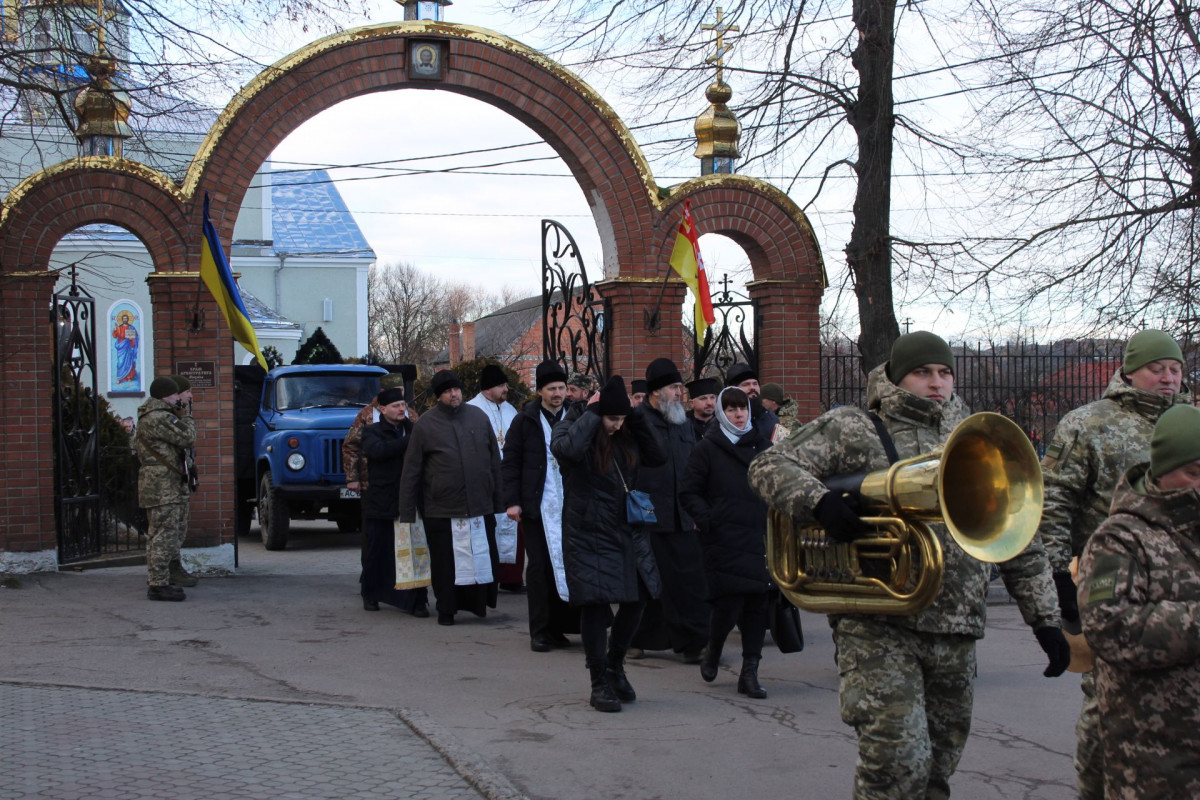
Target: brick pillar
174,297
789,342
630,345
468,341
26,437
455,343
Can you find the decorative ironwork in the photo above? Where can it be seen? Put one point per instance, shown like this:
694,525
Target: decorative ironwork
733,336
575,318
76,425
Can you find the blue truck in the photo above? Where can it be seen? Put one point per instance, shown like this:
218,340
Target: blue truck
290,425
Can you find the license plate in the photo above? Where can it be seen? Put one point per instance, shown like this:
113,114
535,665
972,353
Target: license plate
349,494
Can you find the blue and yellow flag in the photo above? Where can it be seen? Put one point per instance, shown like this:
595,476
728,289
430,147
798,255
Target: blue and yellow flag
214,269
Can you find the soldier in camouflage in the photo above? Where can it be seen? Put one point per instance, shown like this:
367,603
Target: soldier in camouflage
163,438
1139,594
183,407
906,682
1092,447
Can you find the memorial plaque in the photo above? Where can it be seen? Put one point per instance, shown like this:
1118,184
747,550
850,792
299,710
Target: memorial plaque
202,374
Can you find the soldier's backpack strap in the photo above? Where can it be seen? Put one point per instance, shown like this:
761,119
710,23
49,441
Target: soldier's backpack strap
885,438
157,456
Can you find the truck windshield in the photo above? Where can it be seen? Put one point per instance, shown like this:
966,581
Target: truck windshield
317,390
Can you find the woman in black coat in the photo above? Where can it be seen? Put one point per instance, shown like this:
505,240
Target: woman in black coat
732,521
384,445
607,560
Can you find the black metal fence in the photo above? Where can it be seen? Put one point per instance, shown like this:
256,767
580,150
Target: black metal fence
1032,384
122,524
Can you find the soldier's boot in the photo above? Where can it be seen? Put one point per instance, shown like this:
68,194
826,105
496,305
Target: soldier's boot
180,576
712,659
603,698
171,594
620,684
748,681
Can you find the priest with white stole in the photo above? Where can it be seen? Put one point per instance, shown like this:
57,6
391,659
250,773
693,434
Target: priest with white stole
493,401
533,493
452,476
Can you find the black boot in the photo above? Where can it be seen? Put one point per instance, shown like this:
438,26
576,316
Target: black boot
712,660
602,698
616,677
748,681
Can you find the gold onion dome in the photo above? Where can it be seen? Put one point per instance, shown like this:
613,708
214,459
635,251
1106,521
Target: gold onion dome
102,110
717,128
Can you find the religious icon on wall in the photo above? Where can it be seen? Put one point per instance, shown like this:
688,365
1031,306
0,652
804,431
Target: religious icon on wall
425,60
125,348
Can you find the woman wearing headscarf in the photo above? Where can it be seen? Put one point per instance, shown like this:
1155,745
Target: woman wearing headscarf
599,448
732,522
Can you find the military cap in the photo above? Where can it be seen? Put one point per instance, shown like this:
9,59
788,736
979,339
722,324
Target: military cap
580,379
1146,346
917,349
1176,440
774,393
163,387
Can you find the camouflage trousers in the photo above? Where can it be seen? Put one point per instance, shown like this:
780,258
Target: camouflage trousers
168,527
908,696
1089,750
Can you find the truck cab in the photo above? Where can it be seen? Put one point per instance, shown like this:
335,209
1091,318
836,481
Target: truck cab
290,464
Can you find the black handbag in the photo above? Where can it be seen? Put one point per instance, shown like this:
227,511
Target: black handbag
638,508
785,624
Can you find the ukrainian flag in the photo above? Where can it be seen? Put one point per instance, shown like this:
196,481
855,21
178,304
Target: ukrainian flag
214,269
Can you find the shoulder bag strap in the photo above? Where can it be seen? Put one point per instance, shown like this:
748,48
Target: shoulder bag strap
885,438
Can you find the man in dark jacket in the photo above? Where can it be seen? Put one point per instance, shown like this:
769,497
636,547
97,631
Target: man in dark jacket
679,619
452,475
702,394
533,492
384,444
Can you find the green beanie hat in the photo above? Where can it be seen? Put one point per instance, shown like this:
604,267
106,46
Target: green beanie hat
1147,346
916,349
1176,440
183,383
163,387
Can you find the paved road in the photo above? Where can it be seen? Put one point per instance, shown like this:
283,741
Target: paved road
277,679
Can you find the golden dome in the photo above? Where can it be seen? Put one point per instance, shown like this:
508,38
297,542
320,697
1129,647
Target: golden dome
717,128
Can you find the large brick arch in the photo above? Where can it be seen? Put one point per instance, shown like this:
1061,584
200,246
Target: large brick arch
574,120
56,201
635,222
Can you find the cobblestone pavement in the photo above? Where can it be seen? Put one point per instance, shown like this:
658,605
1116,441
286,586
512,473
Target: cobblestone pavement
78,744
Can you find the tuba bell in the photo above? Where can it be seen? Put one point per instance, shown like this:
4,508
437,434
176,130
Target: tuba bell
984,484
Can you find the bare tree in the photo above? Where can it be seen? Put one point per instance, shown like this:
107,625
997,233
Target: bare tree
1092,112
411,312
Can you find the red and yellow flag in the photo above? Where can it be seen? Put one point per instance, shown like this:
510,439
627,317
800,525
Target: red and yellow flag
686,261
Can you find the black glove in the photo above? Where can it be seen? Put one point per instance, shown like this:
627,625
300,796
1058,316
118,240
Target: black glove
838,518
1055,645
1068,601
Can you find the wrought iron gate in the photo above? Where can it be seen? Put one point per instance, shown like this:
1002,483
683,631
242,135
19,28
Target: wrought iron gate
76,425
733,336
575,318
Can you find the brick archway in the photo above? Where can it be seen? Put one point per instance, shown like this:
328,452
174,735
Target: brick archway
635,220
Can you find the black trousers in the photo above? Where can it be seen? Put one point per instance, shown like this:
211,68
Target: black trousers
476,598
748,612
548,613
593,625
379,569
678,620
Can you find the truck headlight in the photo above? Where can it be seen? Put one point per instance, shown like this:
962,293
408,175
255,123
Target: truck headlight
295,462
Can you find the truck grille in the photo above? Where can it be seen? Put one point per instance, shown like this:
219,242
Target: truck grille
331,457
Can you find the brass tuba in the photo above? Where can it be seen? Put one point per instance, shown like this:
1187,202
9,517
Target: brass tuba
984,484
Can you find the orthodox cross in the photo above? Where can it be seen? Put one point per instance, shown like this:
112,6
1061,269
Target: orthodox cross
718,57
102,16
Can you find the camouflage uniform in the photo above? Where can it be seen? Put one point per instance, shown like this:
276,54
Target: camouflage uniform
163,438
904,679
1092,446
789,415
1139,597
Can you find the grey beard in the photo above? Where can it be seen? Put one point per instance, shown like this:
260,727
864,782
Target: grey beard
672,411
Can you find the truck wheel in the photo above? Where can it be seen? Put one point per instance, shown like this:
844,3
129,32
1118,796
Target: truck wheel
273,517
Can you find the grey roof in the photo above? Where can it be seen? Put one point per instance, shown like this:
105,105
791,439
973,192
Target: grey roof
496,333
310,218
265,318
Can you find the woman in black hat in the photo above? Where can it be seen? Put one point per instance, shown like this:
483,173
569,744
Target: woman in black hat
599,449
